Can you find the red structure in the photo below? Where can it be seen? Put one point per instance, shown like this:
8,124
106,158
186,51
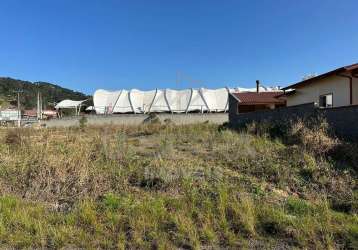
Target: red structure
255,101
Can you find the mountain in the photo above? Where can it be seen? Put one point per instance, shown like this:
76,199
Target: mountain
51,93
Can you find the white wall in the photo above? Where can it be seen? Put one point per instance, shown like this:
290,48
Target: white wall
337,85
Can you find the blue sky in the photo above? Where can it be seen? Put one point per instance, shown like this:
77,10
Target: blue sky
90,44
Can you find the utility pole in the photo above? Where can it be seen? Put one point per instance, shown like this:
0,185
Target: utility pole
39,103
181,77
18,108
41,106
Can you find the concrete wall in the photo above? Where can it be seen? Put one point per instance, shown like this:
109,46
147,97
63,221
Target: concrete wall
279,114
342,120
355,91
233,108
337,85
137,119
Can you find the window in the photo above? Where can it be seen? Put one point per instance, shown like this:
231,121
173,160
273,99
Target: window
326,101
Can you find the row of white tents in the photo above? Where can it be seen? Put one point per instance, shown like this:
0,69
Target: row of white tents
164,100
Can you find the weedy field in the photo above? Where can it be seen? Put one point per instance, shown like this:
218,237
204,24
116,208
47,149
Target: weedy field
161,186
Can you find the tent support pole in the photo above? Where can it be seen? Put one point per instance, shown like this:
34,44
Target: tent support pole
116,101
202,96
151,104
130,101
191,96
166,100
227,101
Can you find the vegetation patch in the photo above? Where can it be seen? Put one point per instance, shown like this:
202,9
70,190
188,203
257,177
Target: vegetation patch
166,186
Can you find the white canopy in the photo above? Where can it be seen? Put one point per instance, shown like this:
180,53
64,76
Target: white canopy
122,103
90,108
164,100
196,102
160,103
178,100
67,104
215,99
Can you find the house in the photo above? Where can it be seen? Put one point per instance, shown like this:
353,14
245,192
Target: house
10,115
335,88
244,102
31,113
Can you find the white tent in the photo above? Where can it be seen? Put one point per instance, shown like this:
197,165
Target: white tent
66,104
168,100
261,89
215,99
122,103
70,104
178,100
136,98
141,100
197,102
148,99
90,108
104,100
160,103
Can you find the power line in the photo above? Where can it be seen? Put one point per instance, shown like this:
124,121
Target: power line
180,77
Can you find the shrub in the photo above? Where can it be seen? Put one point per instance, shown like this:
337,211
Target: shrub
346,156
297,206
242,217
111,201
314,139
313,135
273,221
83,122
13,137
166,147
152,118
168,121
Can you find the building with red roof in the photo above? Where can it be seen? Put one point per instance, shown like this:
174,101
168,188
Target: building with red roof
244,102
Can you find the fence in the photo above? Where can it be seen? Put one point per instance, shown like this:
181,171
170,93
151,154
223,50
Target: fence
342,120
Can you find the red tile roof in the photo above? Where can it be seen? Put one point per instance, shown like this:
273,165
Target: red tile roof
30,112
33,112
246,98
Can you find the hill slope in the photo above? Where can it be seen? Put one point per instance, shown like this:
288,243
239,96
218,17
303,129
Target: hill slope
51,93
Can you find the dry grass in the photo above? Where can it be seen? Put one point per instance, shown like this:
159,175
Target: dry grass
165,186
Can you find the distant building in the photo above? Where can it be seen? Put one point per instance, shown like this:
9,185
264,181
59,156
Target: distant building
30,113
10,115
244,102
335,88
47,113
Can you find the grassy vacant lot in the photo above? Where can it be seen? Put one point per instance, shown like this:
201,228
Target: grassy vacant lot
165,186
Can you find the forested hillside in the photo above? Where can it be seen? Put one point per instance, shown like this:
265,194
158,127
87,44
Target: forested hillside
51,93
